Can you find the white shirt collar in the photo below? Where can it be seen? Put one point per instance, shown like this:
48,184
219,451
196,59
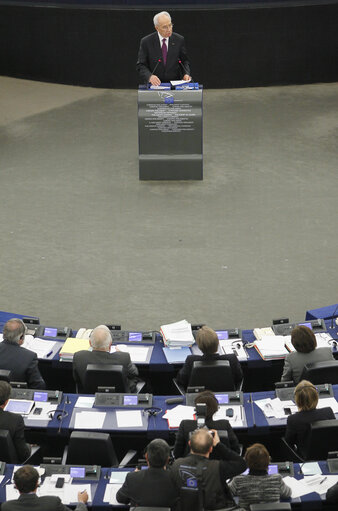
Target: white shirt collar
161,40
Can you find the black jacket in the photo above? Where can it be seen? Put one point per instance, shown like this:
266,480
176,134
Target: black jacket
14,423
150,52
31,502
22,363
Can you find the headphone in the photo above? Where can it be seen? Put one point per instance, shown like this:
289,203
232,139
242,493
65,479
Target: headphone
61,414
152,411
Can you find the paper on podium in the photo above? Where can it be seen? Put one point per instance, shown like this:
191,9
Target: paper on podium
179,82
85,402
41,347
177,334
309,484
71,491
129,418
89,420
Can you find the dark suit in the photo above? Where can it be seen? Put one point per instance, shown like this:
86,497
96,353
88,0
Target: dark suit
150,52
298,426
22,363
150,487
16,427
181,447
83,358
184,374
31,502
332,494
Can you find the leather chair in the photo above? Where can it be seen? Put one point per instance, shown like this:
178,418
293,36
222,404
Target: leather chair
215,375
271,506
93,448
321,372
7,449
104,375
5,375
322,438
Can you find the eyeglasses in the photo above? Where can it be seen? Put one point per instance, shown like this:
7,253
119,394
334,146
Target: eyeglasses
167,27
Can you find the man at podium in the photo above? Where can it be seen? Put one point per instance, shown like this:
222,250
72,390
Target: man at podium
162,56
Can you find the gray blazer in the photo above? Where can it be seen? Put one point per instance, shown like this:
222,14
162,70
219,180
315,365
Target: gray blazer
294,362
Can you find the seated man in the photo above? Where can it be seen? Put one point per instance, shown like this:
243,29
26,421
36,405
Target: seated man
154,486
26,480
208,343
22,363
197,471
100,340
13,422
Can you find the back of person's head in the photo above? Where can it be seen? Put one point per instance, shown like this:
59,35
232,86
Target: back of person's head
210,400
100,338
306,396
5,391
257,457
207,340
14,330
158,452
26,479
201,441
303,339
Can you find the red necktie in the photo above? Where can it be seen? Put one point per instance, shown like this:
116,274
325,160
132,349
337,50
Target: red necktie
164,51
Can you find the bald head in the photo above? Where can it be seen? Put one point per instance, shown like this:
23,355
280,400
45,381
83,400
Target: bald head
201,442
100,338
14,331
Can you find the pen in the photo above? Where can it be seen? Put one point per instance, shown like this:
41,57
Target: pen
48,354
323,480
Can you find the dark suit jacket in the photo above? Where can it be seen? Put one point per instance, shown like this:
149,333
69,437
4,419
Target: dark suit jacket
31,502
184,374
298,426
22,363
83,358
16,427
181,447
332,494
150,52
150,487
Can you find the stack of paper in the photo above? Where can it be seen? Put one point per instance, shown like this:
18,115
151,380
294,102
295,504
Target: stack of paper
176,415
259,333
73,345
271,347
138,354
177,334
41,347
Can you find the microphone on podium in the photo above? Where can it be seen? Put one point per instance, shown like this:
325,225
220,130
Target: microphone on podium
184,69
153,71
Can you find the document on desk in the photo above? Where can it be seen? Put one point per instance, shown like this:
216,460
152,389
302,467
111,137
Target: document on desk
275,407
89,420
41,347
233,346
176,415
271,347
110,493
71,491
129,418
176,355
236,420
309,484
11,492
84,402
328,401
138,354
323,341
46,413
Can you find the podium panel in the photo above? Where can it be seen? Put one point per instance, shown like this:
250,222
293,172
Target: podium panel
170,134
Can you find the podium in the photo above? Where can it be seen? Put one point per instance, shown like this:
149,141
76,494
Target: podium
170,134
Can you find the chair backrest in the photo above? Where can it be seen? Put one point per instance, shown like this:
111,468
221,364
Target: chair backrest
321,372
191,499
104,375
147,508
7,449
215,375
323,437
91,448
271,506
5,375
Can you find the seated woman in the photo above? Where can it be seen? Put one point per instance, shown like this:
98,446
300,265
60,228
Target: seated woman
208,343
298,424
181,447
305,344
258,486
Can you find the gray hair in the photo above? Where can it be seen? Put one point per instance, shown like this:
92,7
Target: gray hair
163,13
14,329
100,338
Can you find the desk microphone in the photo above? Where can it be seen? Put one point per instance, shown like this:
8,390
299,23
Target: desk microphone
157,63
333,316
62,414
252,411
184,69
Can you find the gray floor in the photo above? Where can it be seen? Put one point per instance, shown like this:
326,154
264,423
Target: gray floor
84,241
